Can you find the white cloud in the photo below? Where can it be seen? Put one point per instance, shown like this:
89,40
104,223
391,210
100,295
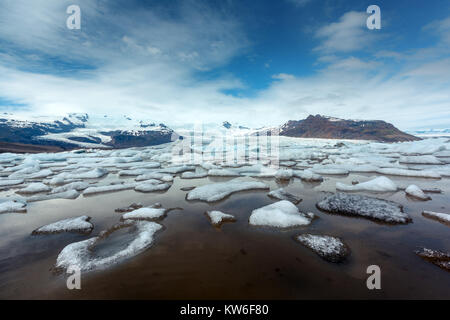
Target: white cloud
348,34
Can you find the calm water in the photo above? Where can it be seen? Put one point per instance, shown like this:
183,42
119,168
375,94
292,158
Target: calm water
191,259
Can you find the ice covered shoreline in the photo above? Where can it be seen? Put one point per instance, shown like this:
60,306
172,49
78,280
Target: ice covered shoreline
27,179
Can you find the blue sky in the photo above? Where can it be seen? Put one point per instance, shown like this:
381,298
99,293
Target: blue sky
251,62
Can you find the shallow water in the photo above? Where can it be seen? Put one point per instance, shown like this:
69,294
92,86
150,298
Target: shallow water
191,259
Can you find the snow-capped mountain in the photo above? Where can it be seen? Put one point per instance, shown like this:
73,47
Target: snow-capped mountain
79,130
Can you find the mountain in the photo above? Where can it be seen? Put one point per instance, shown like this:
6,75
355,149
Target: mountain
333,128
78,131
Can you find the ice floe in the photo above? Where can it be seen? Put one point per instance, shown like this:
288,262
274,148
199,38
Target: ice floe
441,217
415,192
9,183
329,171
427,159
217,218
378,184
409,173
148,213
131,207
281,214
35,187
364,206
282,194
222,173
439,258
7,206
77,224
151,187
329,248
308,176
78,186
69,194
83,254
155,175
220,190
109,188
284,174
193,175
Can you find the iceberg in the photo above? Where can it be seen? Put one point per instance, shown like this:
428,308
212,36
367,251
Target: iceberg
218,191
78,224
329,248
364,206
281,214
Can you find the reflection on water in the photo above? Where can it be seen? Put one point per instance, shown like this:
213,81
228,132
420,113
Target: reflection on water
191,259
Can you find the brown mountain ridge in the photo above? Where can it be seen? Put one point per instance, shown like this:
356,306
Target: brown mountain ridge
333,128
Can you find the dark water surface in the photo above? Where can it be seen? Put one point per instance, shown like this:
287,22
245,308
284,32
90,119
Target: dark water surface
190,259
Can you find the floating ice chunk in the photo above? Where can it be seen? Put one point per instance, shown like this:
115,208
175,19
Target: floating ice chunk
362,168
415,192
147,165
378,184
282,194
78,224
409,173
8,183
218,191
439,258
288,163
329,248
442,154
281,214
70,194
149,213
22,173
428,159
134,172
34,188
28,164
58,180
441,217
83,254
193,175
330,171
41,174
12,206
109,188
151,181
222,173
93,174
151,187
209,166
364,206
218,217
284,174
131,207
308,176
155,175
79,186
177,169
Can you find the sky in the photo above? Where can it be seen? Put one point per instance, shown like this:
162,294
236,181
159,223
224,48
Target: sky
255,63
